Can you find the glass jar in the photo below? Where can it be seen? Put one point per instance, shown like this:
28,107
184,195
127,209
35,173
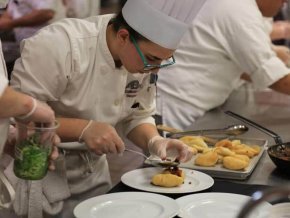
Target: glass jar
33,147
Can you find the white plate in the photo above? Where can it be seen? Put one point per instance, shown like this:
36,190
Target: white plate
213,205
141,179
127,205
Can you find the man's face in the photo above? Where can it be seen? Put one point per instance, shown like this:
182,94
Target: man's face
270,8
153,53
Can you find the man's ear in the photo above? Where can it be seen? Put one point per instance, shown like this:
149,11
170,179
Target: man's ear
123,36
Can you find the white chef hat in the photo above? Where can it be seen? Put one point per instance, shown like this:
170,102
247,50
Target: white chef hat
163,22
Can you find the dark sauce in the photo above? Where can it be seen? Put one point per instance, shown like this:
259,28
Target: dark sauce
281,153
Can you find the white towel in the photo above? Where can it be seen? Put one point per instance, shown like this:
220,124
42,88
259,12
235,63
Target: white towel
34,197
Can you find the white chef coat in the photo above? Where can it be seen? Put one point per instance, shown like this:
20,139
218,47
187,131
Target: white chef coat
226,39
68,65
19,8
4,123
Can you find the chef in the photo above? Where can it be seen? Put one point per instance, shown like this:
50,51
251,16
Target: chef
99,74
21,106
16,104
213,57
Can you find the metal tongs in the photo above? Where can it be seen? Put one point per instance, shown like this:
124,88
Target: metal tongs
230,130
274,135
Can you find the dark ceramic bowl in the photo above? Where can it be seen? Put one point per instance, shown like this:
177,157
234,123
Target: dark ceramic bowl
280,155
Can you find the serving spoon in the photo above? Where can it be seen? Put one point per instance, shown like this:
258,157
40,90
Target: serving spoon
155,161
237,129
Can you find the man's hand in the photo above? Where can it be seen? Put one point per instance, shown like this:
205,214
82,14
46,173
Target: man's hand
11,141
102,138
54,153
164,148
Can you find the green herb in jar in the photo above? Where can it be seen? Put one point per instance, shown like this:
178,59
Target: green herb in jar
31,159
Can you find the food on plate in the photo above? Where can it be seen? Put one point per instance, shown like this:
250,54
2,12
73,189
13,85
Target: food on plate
196,142
207,159
170,177
236,162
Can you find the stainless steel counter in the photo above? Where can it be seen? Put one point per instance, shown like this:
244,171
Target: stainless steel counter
274,117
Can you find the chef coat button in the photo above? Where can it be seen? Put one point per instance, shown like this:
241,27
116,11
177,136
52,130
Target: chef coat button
116,102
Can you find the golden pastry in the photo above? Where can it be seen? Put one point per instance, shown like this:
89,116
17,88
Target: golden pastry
207,159
224,143
223,151
194,141
234,163
171,177
246,150
242,157
232,154
236,142
257,148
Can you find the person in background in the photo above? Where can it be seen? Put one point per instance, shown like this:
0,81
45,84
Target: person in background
82,8
101,83
280,34
227,38
25,17
281,50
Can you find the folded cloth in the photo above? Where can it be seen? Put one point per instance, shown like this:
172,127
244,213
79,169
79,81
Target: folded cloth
7,193
34,197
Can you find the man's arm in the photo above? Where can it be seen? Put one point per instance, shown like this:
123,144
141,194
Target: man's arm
70,128
282,85
36,17
281,30
141,135
18,103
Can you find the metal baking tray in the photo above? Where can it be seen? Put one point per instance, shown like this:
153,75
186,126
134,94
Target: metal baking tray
219,171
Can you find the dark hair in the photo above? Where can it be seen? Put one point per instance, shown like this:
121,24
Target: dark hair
119,22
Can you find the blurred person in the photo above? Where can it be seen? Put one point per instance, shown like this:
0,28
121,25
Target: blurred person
25,17
82,8
101,83
280,33
227,39
282,50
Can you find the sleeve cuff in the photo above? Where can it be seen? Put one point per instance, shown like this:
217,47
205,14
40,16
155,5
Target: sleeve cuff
131,125
3,83
270,72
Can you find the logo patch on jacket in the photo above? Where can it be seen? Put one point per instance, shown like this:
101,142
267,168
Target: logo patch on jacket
132,88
